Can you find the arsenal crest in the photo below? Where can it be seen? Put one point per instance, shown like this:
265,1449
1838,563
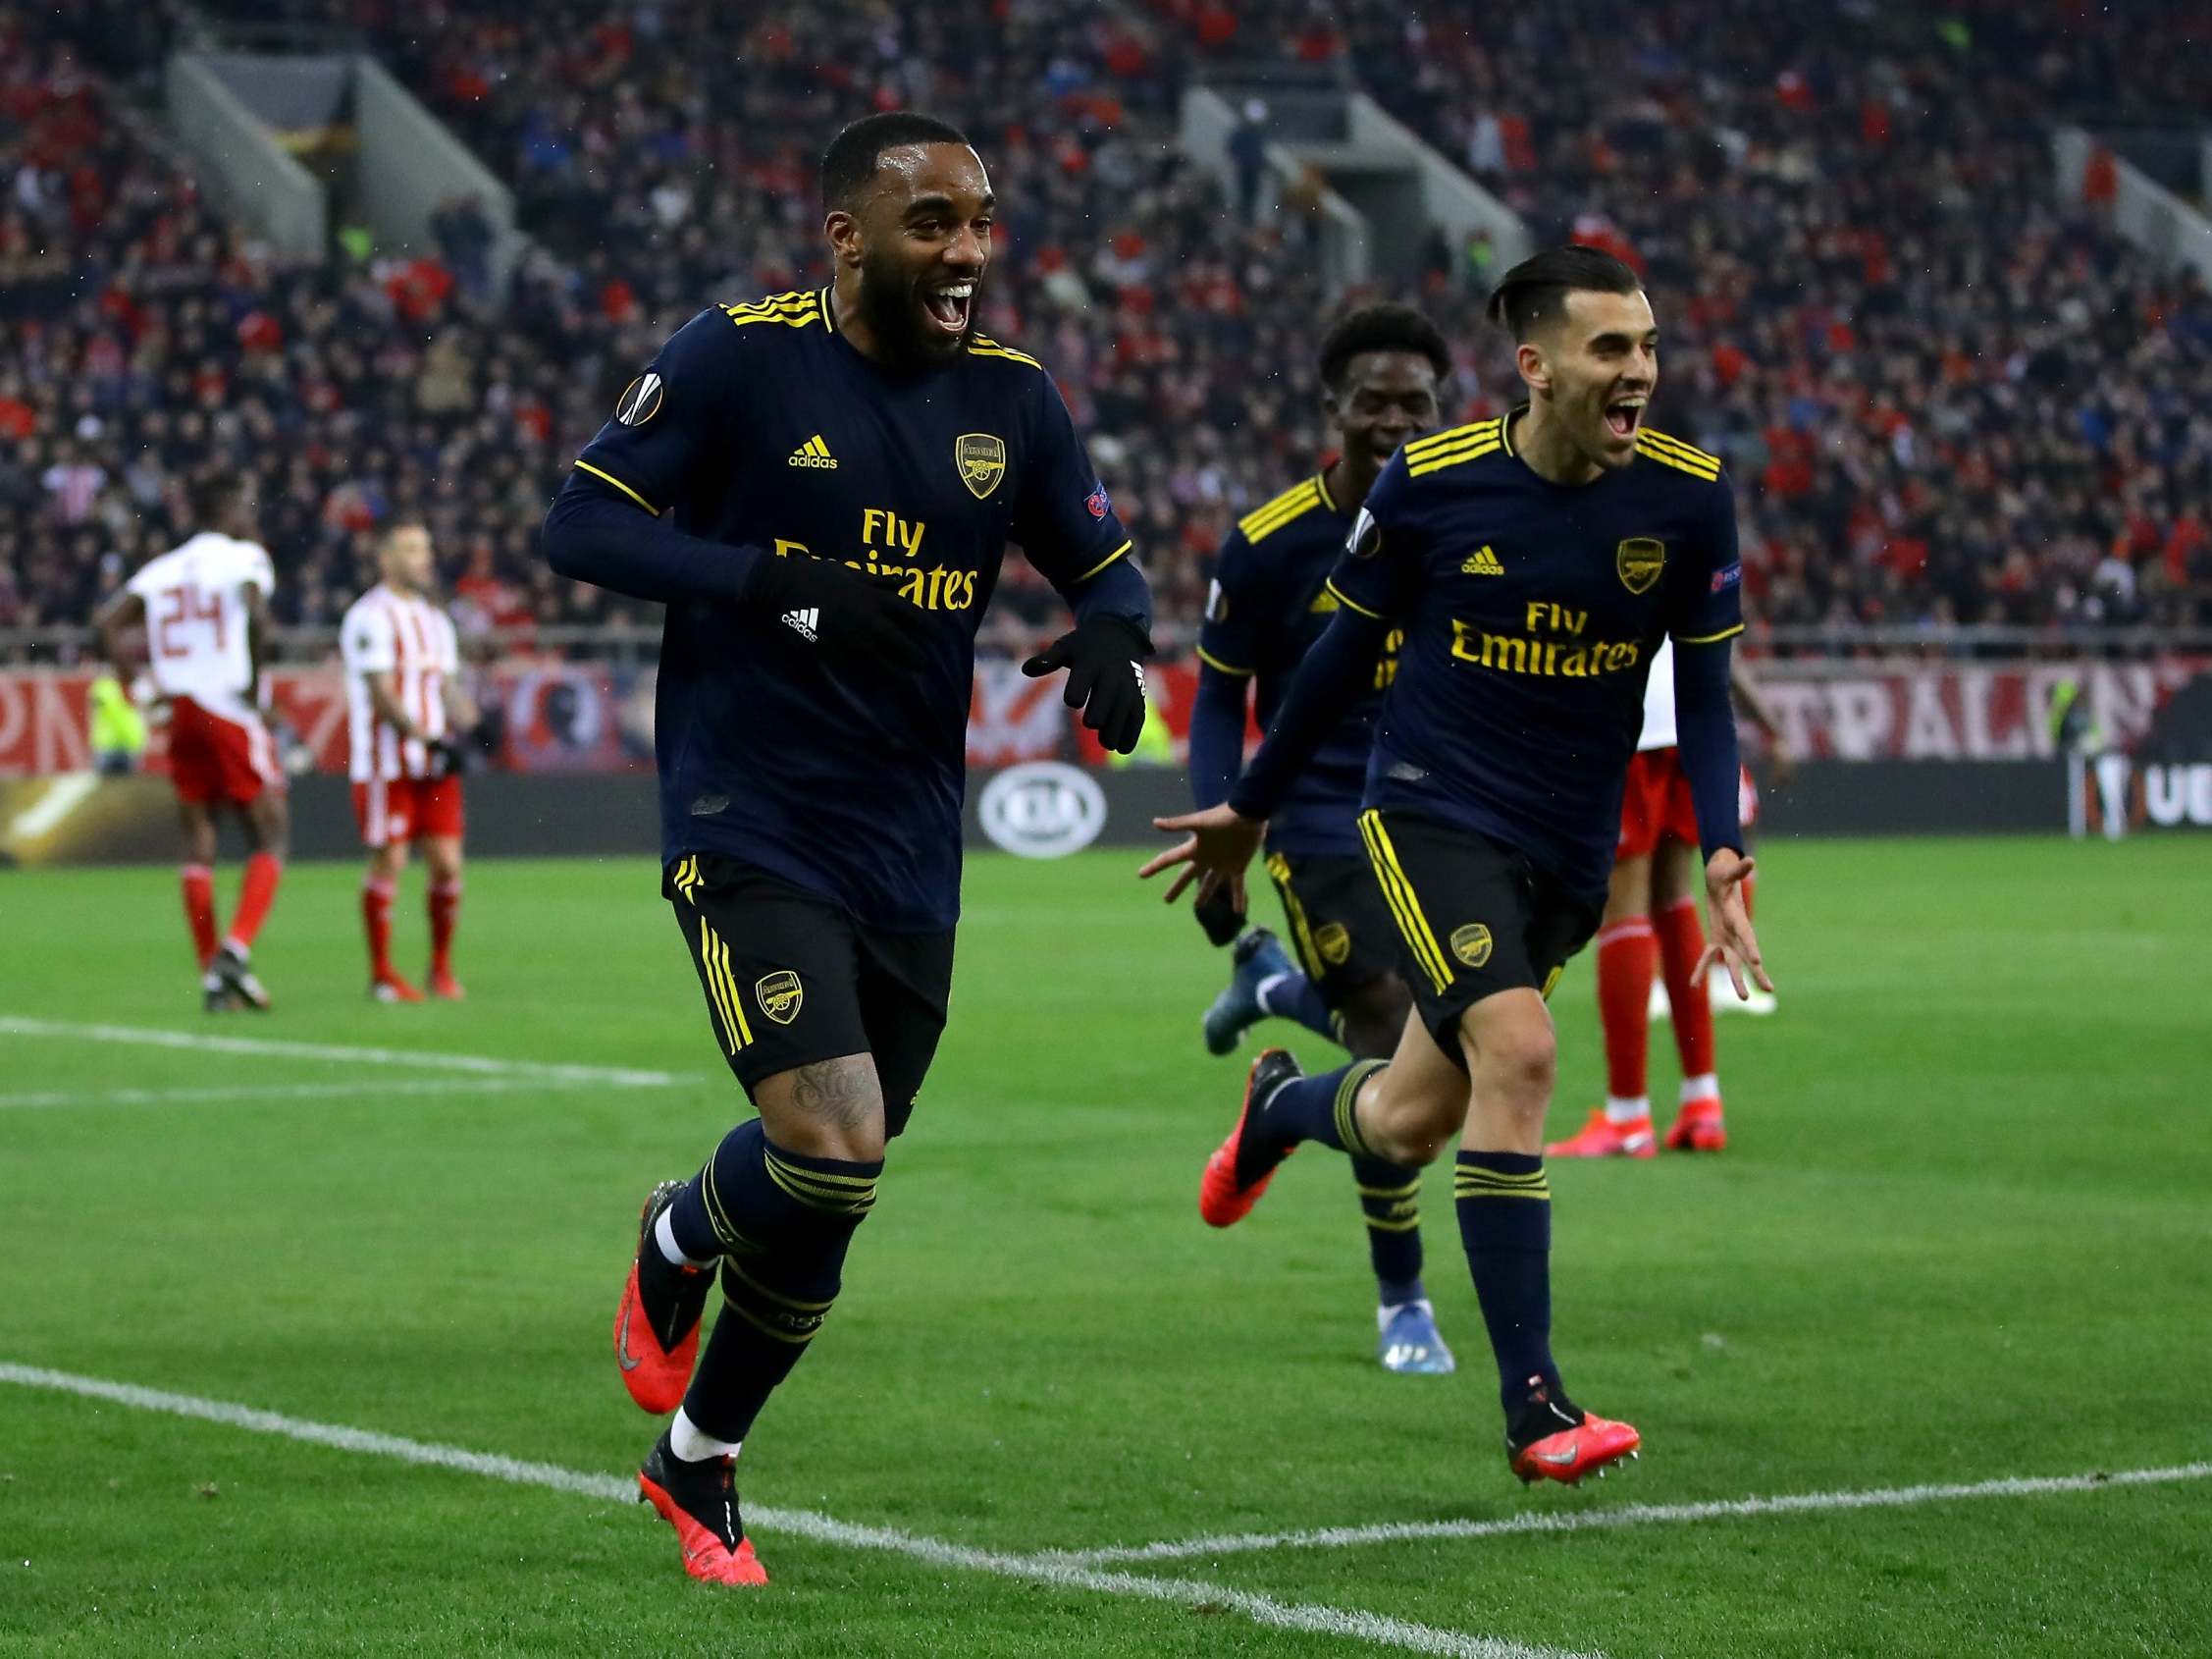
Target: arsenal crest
1640,559
1471,944
779,996
981,459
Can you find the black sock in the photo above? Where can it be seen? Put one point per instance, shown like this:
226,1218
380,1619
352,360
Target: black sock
1319,1108
1505,1208
781,1222
1390,1197
1294,997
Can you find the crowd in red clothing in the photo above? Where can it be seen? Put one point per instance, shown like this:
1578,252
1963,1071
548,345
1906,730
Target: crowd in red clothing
1942,396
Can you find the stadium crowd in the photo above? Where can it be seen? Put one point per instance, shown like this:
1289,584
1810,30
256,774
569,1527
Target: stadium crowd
1943,398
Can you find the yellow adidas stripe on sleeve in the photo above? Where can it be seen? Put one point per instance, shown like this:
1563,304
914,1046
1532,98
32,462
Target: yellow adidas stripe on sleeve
596,473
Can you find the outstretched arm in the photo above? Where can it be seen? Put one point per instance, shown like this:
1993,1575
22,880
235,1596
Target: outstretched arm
1705,726
1221,839
1217,753
1217,735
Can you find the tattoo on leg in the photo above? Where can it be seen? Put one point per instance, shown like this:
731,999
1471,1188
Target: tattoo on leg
841,1092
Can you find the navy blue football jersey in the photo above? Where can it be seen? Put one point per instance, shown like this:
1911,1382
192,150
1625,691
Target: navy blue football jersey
1531,611
1269,602
759,424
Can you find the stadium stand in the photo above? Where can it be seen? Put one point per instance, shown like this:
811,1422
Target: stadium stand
1943,398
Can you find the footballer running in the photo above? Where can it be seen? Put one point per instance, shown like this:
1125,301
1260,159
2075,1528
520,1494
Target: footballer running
1535,562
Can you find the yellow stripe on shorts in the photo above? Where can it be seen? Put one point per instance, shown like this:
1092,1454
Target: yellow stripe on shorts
1398,892
722,988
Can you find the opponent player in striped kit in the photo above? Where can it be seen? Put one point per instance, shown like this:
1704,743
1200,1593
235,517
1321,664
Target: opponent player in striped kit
205,608
404,705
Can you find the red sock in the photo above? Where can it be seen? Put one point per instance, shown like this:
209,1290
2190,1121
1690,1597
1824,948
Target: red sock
262,873
376,916
1749,884
1681,942
444,915
1624,996
199,909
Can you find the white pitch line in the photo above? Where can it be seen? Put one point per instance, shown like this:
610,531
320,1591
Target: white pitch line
1634,1515
379,1088
15,1025
1373,1628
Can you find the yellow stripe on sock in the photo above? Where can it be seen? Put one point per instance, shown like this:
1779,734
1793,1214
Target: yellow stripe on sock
1410,1189
1347,1107
776,1295
797,1339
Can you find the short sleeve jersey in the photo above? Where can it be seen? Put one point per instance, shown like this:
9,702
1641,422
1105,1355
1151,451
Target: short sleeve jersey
1269,602
1532,612
414,642
196,643
759,424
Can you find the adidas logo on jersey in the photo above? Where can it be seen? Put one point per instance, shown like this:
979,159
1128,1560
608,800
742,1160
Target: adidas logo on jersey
804,623
812,452
1483,562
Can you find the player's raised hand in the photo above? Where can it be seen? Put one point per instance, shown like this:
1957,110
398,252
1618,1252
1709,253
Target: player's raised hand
1219,842
1103,658
1733,941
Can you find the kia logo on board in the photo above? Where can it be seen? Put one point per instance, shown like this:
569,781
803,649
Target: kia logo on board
1042,809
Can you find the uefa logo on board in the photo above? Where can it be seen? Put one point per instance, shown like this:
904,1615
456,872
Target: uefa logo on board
1043,809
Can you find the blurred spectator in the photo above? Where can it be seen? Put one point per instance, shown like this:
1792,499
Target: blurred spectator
1943,397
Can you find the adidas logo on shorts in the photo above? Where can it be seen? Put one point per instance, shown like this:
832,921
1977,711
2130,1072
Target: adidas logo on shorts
812,452
804,623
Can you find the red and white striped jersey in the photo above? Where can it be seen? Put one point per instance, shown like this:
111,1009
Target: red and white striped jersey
413,641
196,643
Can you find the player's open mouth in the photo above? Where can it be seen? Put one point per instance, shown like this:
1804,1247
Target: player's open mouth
948,307
1623,415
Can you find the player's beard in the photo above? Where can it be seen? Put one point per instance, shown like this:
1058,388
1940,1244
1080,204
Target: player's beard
891,301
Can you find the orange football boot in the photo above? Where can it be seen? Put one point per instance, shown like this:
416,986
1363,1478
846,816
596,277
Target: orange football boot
700,1501
1554,1439
657,1347
1698,1127
1601,1136
1224,1199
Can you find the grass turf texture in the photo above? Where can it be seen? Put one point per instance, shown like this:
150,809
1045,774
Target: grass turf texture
1959,1233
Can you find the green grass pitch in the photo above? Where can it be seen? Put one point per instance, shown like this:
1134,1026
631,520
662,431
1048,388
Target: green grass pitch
1963,1231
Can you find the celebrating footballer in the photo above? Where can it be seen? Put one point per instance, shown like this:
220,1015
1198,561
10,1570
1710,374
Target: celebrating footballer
1534,562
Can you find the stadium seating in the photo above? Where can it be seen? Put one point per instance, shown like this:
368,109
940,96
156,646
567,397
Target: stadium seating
1943,398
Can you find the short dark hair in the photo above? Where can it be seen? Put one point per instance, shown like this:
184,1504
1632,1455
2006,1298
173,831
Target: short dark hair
1380,328
854,154
212,499
1536,291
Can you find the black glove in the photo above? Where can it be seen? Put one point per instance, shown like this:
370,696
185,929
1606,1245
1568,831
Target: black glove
446,757
1101,657
1219,915
853,617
